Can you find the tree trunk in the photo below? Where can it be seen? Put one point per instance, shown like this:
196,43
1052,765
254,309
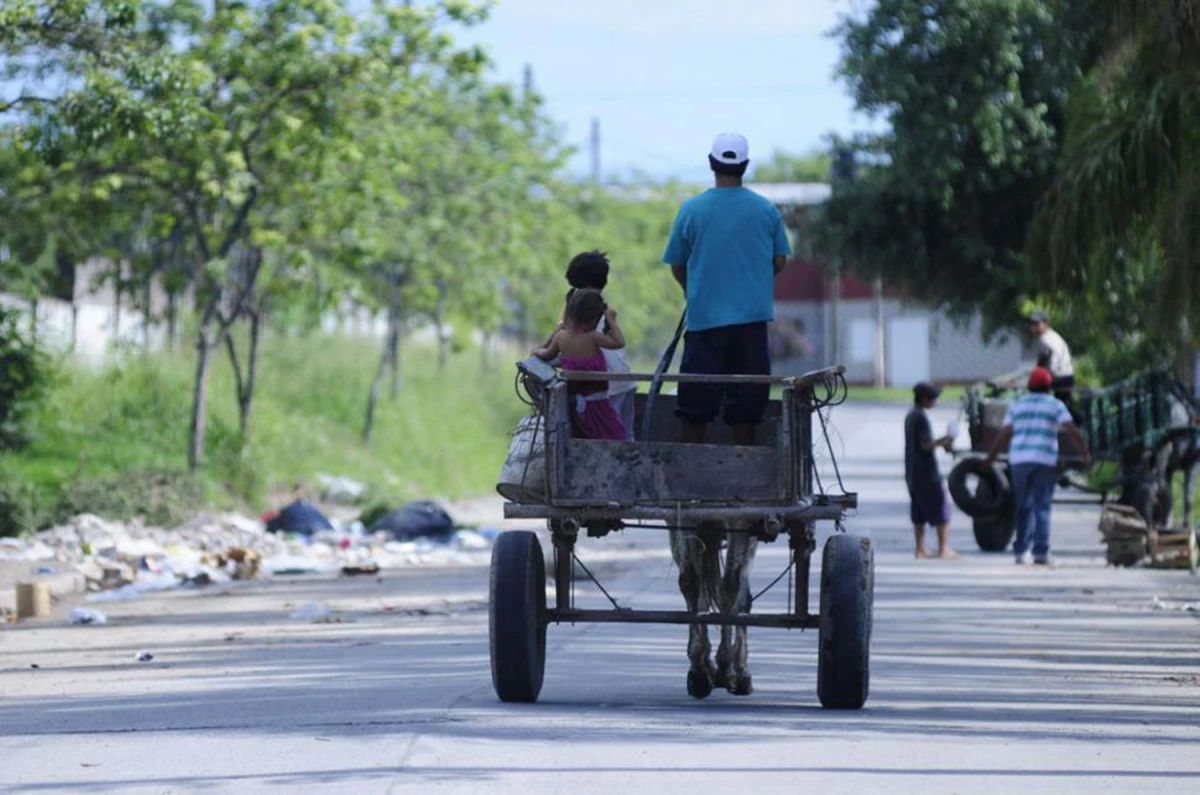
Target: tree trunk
246,399
244,381
385,359
33,320
147,312
172,321
393,344
486,351
117,306
199,399
74,325
442,342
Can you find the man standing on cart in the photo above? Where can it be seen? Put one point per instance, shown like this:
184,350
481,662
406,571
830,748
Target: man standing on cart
726,246
1054,355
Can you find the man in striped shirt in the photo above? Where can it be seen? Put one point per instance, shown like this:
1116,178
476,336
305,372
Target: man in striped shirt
1031,433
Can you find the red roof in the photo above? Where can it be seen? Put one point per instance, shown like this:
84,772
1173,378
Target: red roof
805,280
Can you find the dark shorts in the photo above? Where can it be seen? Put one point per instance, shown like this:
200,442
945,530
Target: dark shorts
929,504
728,350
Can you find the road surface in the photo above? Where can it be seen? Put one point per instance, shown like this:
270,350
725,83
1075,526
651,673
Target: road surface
986,677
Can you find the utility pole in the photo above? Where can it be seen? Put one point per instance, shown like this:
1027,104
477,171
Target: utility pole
527,83
880,361
842,173
595,149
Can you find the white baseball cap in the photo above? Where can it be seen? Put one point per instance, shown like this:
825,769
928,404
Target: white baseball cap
731,149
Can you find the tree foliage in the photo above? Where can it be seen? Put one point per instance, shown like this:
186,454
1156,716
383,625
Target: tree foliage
1129,183
813,166
974,95
275,163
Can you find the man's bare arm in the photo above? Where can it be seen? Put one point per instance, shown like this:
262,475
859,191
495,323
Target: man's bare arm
1078,441
680,274
1001,443
779,262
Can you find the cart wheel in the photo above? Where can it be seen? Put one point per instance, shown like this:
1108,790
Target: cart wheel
844,642
994,533
517,626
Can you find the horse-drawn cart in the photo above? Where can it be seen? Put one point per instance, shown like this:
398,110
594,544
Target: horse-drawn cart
1129,427
762,492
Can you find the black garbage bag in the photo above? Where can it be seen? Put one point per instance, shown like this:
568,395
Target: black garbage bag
300,517
421,519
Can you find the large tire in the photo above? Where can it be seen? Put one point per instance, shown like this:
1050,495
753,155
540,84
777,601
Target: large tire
847,605
987,500
517,625
994,533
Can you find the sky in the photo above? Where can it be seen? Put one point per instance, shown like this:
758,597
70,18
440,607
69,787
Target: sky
664,76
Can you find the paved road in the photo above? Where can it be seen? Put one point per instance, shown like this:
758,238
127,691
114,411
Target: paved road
987,677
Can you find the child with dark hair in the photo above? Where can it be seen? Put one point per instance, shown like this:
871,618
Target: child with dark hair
588,270
581,346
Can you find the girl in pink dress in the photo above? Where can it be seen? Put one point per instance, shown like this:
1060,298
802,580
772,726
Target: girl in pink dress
581,347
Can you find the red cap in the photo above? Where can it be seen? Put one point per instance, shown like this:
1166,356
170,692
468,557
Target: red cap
1040,378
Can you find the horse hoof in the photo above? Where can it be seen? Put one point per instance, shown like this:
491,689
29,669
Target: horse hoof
723,679
741,684
699,683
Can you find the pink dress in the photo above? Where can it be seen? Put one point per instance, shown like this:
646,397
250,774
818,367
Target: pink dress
592,413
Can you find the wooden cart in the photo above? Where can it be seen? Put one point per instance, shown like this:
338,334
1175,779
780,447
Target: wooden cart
587,486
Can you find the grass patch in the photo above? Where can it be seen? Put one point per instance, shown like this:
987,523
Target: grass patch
114,440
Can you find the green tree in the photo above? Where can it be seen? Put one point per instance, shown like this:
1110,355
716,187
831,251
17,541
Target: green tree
1129,184
974,95
785,167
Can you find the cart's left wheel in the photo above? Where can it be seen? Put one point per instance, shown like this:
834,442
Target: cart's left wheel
517,625
847,611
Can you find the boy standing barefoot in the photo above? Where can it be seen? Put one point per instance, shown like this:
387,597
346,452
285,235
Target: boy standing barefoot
926,491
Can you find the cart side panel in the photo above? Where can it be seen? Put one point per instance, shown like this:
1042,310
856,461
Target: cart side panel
649,473
665,426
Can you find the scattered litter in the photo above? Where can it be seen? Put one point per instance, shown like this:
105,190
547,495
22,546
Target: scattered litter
420,519
1178,607
84,616
299,517
134,590
360,569
122,561
313,611
341,490
144,656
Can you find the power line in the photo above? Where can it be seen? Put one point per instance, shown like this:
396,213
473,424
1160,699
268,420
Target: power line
666,95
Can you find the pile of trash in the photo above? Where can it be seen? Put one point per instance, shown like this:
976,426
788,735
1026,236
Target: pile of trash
123,560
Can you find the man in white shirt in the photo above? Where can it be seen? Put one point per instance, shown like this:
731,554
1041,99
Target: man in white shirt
1054,355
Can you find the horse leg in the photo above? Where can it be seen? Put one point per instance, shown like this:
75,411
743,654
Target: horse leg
690,549
733,672
1189,482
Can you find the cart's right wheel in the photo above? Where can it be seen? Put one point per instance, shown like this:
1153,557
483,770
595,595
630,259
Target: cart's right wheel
994,533
517,614
847,605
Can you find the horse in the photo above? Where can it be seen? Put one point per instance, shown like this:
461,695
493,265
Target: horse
697,553
1179,452
1148,474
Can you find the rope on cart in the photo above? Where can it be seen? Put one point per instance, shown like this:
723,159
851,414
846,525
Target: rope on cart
664,363
775,582
592,577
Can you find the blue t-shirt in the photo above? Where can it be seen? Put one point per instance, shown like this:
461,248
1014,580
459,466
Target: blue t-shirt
728,238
